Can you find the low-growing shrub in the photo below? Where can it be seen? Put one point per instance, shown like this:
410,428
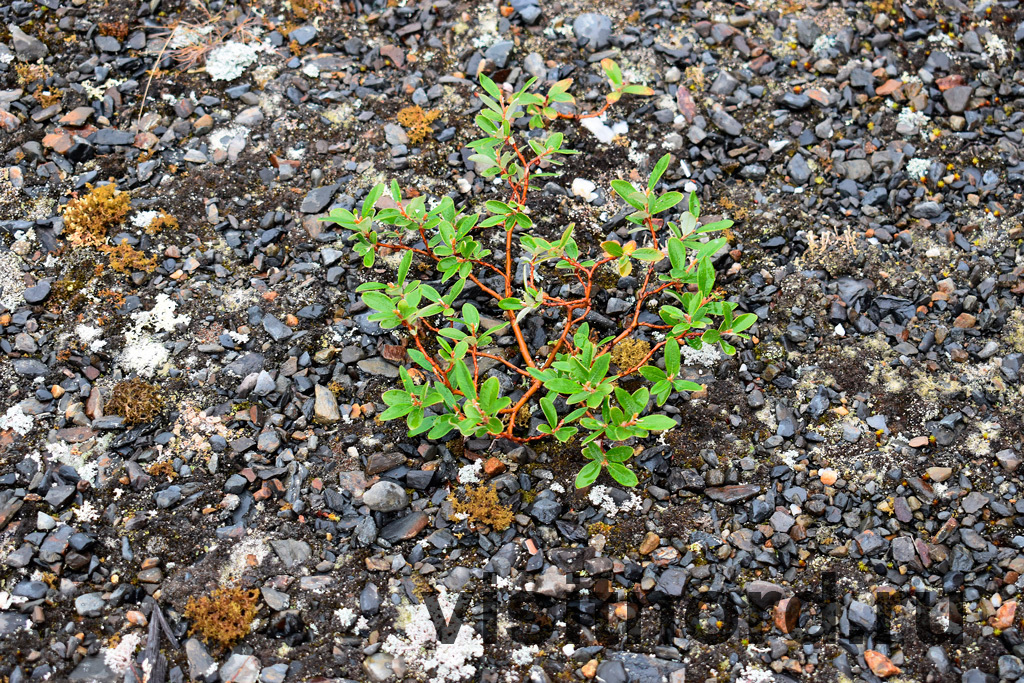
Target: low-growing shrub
509,261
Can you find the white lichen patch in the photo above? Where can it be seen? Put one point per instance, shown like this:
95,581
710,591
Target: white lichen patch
918,167
421,649
142,354
600,496
229,61
12,286
602,131
143,219
17,420
707,356
91,336
247,554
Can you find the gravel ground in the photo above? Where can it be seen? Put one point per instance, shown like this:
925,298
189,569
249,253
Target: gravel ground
864,445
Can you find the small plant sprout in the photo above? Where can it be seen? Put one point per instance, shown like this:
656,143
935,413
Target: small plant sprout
574,384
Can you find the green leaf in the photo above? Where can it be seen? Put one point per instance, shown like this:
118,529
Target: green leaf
548,406
638,90
656,423
629,194
575,415
672,357
403,267
371,198
687,385
743,322
441,427
626,401
600,368
417,357
563,434
488,85
619,454
612,248
677,253
659,170
646,254
652,374
581,335
710,247
705,277
665,202
489,391
497,207
612,71
396,397
588,475
561,385
396,411
378,301
471,315
510,304
622,474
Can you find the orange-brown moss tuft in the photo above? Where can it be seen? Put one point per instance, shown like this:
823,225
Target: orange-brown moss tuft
87,219
125,259
117,29
224,617
136,401
629,352
164,221
163,468
47,98
483,507
417,122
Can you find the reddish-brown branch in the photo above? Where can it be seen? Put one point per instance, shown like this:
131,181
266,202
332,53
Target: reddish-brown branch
504,362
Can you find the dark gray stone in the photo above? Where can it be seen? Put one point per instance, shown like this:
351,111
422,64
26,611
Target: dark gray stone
596,29
30,367
498,53
38,292
317,200
27,48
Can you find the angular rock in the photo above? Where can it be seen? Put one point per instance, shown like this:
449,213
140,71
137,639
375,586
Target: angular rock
325,406
386,496
27,48
595,29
